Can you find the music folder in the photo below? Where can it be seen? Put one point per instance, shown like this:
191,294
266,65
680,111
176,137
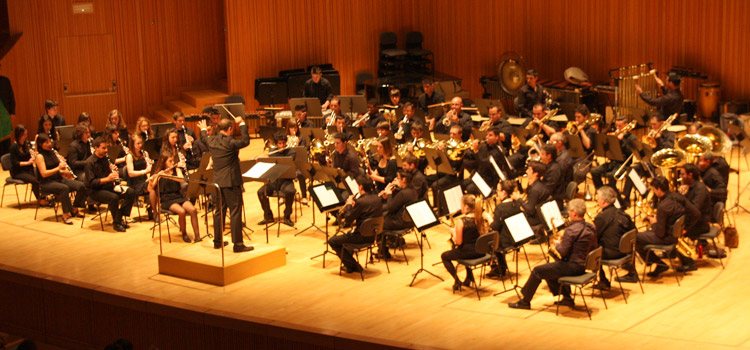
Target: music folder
422,215
519,228
327,196
551,214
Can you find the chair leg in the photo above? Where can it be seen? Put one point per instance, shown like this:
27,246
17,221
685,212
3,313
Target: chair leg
676,276
584,302
716,247
2,199
18,199
99,210
613,274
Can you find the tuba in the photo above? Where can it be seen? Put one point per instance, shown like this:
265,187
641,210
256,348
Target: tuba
667,159
721,144
694,146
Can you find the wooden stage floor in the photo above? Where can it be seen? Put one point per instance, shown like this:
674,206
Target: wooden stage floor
709,310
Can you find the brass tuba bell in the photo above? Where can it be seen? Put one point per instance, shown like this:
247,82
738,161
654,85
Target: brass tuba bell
694,146
721,144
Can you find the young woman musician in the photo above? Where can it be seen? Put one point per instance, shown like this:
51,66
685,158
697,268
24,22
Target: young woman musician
49,129
138,164
116,119
382,168
170,196
22,162
112,134
169,144
143,129
55,177
465,236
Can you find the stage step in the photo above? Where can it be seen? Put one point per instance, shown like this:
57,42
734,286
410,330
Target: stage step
161,116
182,106
203,98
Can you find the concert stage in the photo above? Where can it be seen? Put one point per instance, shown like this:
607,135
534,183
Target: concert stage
83,288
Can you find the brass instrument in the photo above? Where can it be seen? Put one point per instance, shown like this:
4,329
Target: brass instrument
685,248
399,135
456,150
650,139
329,139
70,174
667,159
535,149
447,120
555,236
316,148
694,146
536,124
644,205
624,129
364,119
485,125
515,142
417,150
388,114
621,171
363,145
719,139
572,127
269,146
292,141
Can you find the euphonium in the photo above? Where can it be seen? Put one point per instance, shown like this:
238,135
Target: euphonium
536,124
719,139
625,129
650,139
316,148
572,126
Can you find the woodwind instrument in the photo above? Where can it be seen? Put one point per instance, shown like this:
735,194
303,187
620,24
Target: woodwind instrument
119,187
149,161
555,236
91,145
184,129
70,174
127,150
32,152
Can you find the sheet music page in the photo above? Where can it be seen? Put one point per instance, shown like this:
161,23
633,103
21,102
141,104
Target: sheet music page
352,185
481,184
638,182
421,214
552,215
519,227
617,203
497,168
327,196
258,170
453,199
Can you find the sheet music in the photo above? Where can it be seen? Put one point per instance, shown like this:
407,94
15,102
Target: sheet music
258,170
519,227
453,199
497,168
421,214
638,182
481,184
551,214
352,185
617,203
326,196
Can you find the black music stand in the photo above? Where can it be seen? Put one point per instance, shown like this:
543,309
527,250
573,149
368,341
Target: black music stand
266,132
312,105
482,185
152,146
369,133
327,197
423,218
230,110
521,233
267,172
161,128
438,160
575,146
271,93
201,174
744,143
351,104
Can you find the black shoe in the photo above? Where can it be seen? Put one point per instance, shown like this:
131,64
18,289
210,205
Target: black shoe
119,228
658,270
496,273
335,222
689,267
266,221
603,285
384,254
467,283
185,237
287,222
629,278
520,305
77,214
218,245
456,287
239,248
566,301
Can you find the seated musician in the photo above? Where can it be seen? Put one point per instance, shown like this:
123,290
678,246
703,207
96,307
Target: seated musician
318,87
608,169
395,97
721,166
406,123
672,206
85,118
530,95
456,117
611,223
417,131
578,240
116,119
138,164
375,116
587,135
300,112
497,120
382,168
518,159
336,111
507,208
284,187
51,112
478,157
553,176
170,195
185,139
465,235
55,178
536,192
410,164
358,208
47,128
430,96
671,100
697,193
295,140
344,158
441,181
563,158
22,161
712,179
170,144
105,187
143,128
398,194
384,129
112,136
80,150
664,139
341,128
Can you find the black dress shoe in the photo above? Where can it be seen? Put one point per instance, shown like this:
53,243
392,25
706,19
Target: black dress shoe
468,283
287,222
77,214
218,245
629,278
658,270
689,267
119,228
520,305
266,221
603,285
185,238
566,301
239,248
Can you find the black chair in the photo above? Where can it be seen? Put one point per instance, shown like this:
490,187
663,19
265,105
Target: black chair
360,80
486,244
51,197
627,247
391,58
371,227
6,164
713,232
590,276
279,197
98,205
235,99
666,250
396,236
418,56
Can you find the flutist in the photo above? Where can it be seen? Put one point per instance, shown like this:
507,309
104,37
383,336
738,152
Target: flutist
102,177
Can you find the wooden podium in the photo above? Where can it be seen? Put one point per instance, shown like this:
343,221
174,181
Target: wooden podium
202,263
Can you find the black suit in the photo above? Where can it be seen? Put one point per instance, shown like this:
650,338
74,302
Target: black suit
670,208
536,195
283,187
395,207
225,151
78,153
553,179
98,168
712,179
699,196
367,206
611,223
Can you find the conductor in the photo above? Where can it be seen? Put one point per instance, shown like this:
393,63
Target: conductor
225,151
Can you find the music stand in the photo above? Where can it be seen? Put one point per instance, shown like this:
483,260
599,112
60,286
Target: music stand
152,146
482,185
267,172
327,197
368,133
312,104
355,133
437,160
452,197
353,104
423,218
744,143
575,146
521,233
271,93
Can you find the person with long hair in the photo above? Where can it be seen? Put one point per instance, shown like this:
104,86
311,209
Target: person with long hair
138,166
48,128
170,144
116,119
22,162
112,135
55,178
382,168
172,199
143,129
465,235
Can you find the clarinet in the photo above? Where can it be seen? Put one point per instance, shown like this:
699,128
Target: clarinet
67,166
184,130
124,147
119,188
91,145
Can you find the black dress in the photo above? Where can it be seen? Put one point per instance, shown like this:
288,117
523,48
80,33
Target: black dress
389,172
138,183
169,191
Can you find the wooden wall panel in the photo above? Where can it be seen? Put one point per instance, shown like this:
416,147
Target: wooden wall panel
468,37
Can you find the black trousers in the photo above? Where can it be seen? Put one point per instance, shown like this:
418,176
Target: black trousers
465,252
649,237
285,188
605,170
231,199
610,254
550,272
112,199
31,179
347,256
62,188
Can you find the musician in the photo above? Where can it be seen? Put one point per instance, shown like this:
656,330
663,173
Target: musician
498,121
185,137
465,235
672,206
52,110
382,168
112,136
170,144
576,243
225,150
358,208
56,179
664,139
8,98
479,158
456,117
530,94
79,151
48,128
375,117
138,165
536,192
410,164
712,179
116,119
300,112
553,176
406,122
563,158
285,187
671,100
608,169
22,162
518,159
611,223
171,197
344,158
697,193
395,97
441,181
318,87
720,164
538,113
336,112
430,96
507,208
587,133
143,129
85,118
398,194
104,186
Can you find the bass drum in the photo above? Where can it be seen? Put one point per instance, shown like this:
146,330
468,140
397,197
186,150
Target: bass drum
511,72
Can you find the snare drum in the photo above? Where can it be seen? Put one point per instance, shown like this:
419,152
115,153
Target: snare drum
708,99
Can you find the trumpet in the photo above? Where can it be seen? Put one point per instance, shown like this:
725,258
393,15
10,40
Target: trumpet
364,119
447,119
399,135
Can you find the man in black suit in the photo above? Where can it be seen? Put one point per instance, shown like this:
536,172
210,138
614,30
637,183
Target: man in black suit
713,180
285,187
225,151
80,150
396,199
611,223
104,186
536,192
318,87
